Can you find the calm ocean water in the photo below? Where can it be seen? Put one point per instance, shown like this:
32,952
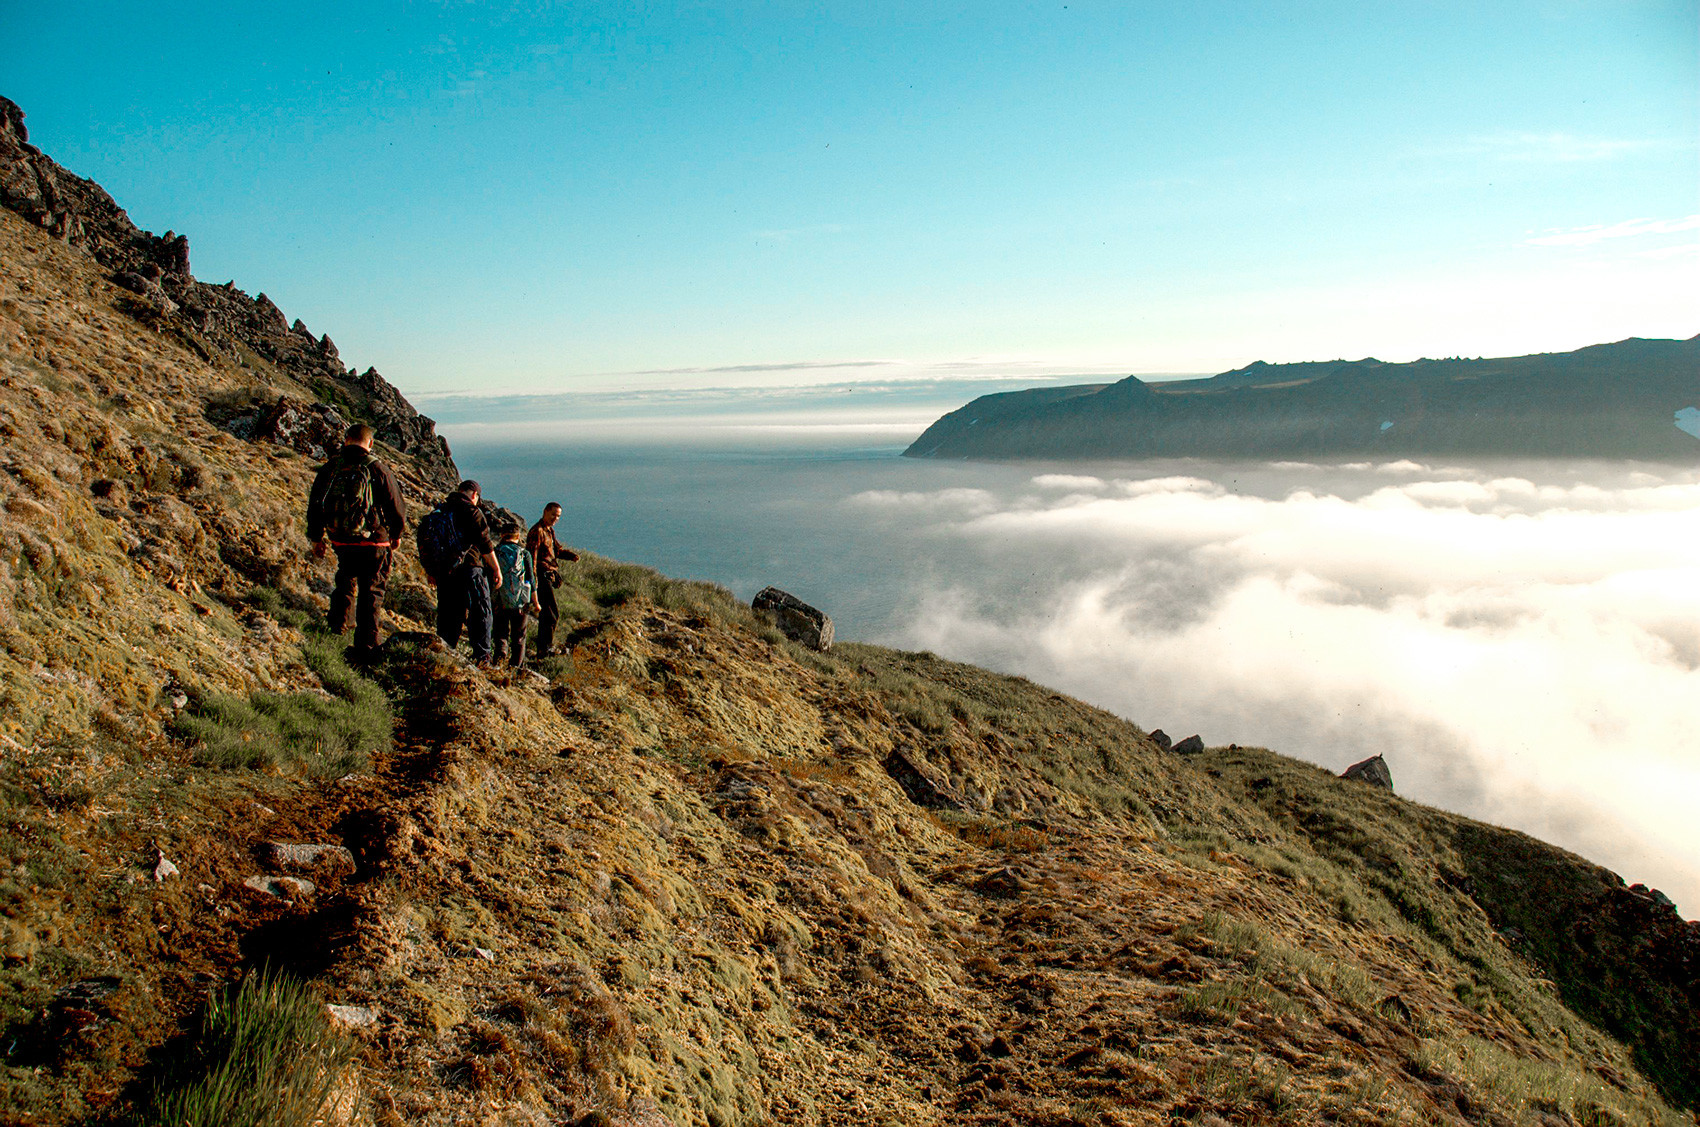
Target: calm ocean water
774,511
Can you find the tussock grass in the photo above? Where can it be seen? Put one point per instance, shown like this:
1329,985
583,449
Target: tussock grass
326,735
990,833
608,583
1225,1001
273,603
265,1056
1532,1090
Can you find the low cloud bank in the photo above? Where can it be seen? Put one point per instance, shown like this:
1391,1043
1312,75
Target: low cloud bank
1522,646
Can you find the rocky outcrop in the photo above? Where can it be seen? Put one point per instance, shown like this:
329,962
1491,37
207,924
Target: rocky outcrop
313,429
1192,745
796,619
1372,771
920,783
214,319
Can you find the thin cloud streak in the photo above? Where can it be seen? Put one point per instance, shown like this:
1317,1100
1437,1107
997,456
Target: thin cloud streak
1599,232
1563,148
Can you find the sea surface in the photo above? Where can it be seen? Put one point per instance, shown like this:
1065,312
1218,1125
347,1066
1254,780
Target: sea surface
1519,640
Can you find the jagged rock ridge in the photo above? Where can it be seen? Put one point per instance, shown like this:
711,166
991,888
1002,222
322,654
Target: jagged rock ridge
210,318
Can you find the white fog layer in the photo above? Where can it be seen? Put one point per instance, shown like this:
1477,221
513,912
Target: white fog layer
1523,653
1520,641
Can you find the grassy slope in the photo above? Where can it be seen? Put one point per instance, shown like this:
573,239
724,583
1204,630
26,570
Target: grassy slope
673,881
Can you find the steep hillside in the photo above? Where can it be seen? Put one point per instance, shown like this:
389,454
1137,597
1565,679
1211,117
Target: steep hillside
1607,401
689,873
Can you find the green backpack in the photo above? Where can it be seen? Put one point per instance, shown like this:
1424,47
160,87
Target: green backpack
351,506
518,583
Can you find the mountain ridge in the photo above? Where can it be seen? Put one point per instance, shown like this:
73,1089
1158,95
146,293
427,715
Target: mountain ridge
1615,400
689,872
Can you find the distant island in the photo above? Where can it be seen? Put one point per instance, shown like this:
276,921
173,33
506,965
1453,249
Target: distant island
1632,399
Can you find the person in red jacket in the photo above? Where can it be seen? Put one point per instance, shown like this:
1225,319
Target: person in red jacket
355,508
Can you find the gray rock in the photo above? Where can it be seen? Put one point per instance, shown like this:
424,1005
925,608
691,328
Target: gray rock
284,888
1372,771
352,1017
1192,745
918,783
1161,739
796,619
313,429
163,868
300,855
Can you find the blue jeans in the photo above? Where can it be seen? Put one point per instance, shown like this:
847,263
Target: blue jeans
464,597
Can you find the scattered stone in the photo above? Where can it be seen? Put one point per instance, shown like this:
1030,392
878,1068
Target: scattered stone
1192,745
917,782
163,868
87,992
1003,883
299,855
1372,771
18,943
795,619
484,953
352,1017
1161,739
284,888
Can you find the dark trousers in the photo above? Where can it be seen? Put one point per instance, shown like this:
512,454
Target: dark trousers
464,598
510,634
362,574
547,616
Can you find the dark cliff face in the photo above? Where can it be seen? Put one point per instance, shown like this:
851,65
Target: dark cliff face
1605,401
211,319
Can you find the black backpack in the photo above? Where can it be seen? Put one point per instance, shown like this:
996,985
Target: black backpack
350,504
440,543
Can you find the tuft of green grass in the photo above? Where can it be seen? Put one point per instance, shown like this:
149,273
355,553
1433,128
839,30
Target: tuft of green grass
265,1056
273,603
609,583
325,735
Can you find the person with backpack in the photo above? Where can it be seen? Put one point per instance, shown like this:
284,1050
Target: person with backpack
547,553
460,560
516,597
355,508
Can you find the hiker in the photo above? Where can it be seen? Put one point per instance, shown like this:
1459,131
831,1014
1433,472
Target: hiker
356,508
547,552
517,596
460,560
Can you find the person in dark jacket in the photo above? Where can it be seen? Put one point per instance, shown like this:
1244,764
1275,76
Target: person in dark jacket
547,554
463,597
361,523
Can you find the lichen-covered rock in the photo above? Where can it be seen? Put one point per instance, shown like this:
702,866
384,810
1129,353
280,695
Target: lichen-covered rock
313,429
796,619
1372,771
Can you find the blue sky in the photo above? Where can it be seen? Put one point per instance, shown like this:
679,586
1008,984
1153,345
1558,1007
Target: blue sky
583,197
